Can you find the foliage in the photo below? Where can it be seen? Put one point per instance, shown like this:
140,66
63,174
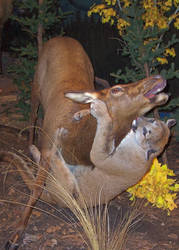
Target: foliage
157,188
95,38
29,19
143,26
147,36
172,110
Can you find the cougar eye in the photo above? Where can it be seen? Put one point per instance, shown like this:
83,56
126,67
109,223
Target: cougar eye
116,90
151,120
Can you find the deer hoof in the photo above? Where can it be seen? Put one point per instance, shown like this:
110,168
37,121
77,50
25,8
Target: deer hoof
11,246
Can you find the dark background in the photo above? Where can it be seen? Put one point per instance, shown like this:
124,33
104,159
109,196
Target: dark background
99,40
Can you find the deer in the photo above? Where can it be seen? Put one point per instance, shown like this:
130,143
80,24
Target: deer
64,85
5,11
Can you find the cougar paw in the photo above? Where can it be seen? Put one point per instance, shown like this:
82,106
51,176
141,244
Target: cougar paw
11,246
80,114
98,108
77,116
62,132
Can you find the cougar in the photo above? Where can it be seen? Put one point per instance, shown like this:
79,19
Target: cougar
114,169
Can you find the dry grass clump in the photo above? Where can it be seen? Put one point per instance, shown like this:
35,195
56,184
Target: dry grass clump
96,228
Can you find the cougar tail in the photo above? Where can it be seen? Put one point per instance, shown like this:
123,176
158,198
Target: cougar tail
25,171
20,164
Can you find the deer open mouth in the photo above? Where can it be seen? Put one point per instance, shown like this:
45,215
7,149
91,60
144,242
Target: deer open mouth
151,94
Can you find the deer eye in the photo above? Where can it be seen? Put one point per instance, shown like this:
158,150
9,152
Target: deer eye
116,90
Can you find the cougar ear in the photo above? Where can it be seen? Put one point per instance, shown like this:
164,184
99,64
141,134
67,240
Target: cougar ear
149,153
82,97
171,123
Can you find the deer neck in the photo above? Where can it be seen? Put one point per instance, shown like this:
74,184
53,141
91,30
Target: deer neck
121,128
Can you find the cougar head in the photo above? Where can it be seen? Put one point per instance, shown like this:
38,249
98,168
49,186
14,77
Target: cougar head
152,134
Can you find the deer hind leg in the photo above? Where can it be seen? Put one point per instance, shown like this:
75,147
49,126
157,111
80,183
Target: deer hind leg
34,110
1,28
13,243
32,183
43,169
44,166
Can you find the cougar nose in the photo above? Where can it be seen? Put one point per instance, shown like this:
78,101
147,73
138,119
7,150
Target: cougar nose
144,131
134,126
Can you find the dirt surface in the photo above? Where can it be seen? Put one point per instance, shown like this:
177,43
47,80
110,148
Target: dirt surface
48,228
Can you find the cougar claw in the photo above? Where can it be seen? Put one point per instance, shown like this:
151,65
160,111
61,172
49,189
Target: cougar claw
11,246
77,116
80,114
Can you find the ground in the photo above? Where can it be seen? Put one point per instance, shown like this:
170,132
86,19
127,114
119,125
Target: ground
48,228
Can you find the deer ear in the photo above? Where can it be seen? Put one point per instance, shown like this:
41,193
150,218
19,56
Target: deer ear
82,97
171,123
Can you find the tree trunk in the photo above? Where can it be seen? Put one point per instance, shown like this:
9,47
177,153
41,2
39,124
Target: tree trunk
40,31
